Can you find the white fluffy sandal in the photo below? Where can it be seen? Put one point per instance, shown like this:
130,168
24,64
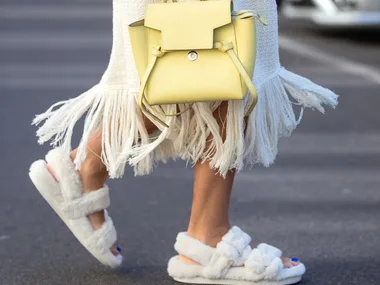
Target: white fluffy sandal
72,206
233,261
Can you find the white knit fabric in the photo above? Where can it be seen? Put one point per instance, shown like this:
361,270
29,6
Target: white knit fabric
111,105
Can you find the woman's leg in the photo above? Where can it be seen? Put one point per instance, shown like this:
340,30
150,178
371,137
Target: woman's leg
93,173
209,220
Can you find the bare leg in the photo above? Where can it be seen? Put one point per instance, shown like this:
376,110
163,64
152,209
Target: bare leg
93,173
209,220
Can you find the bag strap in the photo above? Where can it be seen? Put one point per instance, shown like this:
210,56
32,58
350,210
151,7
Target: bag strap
228,48
157,52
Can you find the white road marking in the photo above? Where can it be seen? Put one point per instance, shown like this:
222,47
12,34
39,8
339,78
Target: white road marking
53,41
343,64
3,238
54,83
52,12
72,81
50,69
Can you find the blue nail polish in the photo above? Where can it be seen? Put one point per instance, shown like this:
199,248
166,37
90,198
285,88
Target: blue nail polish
295,259
118,248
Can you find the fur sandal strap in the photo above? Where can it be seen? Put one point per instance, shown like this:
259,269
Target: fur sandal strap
265,260
75,204
66,174
233,261
233,248
87,204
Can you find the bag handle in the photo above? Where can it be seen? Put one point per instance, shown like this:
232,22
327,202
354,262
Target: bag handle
175,1
240,13
222,46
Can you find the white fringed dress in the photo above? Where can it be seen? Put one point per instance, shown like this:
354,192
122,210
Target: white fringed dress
111,105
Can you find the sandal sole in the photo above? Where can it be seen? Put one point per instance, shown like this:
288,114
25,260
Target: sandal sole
200,280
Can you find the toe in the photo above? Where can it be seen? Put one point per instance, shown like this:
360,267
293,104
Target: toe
295,261
115,249
289,263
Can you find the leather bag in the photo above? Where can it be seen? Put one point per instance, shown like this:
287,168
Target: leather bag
198,51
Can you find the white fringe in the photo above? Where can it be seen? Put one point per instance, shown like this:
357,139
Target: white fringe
125,139
112,110
199,126
274,116
306,92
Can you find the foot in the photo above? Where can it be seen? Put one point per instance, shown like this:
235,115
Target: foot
93,175
213,241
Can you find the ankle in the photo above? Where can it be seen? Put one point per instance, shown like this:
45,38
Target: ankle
92,171
209,235
92,168
91,165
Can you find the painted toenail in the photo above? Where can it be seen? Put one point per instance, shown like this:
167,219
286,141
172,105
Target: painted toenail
118,248
294,259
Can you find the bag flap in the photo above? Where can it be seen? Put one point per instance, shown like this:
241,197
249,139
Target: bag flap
188,25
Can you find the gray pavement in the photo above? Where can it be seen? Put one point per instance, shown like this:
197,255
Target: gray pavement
319,202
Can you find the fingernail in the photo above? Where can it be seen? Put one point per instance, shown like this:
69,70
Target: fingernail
118,248
295,259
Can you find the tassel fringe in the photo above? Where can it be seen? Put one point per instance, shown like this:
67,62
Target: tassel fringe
125,139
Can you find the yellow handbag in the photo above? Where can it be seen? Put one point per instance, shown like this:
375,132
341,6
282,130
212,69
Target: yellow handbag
198,51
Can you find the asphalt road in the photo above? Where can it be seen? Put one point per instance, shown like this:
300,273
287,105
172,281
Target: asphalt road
319,202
